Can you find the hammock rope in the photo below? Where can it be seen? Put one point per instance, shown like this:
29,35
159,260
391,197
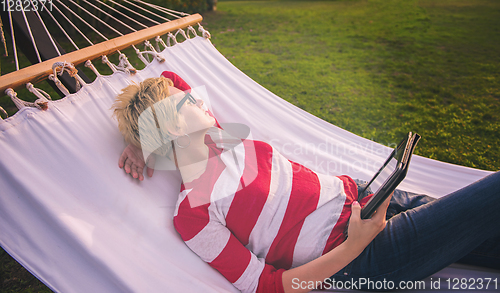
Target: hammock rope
159,41
124,65
45,28
88,24
123,14
73,25
134,12
144,55
145,10
164,10
43,97
204,32
89,64
4,114
62,29
131,22
31,36
2,39
173,13
110,16
41,103
13,37
192,30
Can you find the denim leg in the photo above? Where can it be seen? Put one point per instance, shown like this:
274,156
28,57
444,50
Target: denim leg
404,200
486,255
423,240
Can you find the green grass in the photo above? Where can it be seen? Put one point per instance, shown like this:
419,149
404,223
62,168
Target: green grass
378,68
14,278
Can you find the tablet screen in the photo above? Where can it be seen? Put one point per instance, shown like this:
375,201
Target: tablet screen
388,168
384,174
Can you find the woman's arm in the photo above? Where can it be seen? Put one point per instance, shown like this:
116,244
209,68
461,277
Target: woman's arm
132,161
215,244
176,80
361,233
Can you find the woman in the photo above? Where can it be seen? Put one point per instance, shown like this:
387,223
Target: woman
271,225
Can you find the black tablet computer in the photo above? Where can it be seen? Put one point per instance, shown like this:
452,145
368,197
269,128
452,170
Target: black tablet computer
392,172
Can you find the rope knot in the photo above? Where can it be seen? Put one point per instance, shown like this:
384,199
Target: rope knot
204,32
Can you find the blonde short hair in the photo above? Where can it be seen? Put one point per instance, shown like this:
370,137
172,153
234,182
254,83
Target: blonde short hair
151,98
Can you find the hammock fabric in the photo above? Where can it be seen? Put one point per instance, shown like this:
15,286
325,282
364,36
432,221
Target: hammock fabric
80,224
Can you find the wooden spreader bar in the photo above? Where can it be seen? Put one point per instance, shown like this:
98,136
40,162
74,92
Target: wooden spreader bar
40,71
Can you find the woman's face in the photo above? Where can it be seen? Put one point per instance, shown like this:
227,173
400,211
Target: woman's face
195,116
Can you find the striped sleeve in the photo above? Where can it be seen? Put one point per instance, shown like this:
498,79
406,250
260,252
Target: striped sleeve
176,80
217,246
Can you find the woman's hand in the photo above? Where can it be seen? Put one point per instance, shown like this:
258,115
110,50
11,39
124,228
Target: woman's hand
362,232
132,161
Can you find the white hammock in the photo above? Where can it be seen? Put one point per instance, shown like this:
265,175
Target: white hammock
80,224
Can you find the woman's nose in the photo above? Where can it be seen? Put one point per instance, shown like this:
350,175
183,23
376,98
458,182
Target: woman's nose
199,102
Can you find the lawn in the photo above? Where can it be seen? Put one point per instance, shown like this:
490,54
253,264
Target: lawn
377,68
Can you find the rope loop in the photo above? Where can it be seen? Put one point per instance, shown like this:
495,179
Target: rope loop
89,64
159,41
147,44
59,68
192,30
3,114
136,50
41,103
59,84
105,60
10,92
125,65
13,96
41,94
171,37
155,54
183,33
43,98
204,32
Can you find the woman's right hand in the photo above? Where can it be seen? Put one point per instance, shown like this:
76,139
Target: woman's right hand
362,232
132,161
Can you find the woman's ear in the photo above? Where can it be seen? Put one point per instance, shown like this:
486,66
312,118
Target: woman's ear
175,130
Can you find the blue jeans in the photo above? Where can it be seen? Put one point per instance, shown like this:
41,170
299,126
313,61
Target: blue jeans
424,235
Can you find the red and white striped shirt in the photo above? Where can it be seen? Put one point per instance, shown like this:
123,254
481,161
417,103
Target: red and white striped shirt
254,213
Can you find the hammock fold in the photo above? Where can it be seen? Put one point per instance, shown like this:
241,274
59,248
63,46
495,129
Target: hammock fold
80,224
